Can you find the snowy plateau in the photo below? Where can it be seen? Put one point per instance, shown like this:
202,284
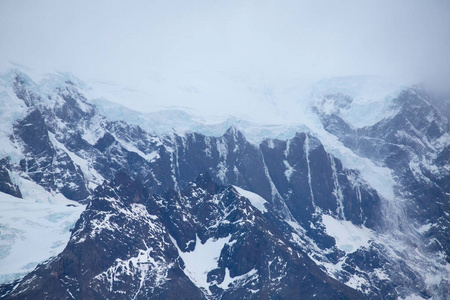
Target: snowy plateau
338,193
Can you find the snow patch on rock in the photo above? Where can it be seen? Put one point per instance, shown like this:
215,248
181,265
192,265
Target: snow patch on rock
349,237
256,200
202,259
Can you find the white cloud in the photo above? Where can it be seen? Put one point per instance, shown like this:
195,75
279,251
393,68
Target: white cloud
171,49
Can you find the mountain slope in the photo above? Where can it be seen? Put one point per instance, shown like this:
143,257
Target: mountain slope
120,248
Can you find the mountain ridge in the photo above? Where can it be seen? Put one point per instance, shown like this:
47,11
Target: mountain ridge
63,144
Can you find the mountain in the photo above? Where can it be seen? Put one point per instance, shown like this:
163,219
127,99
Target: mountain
206,242
345,210
412,142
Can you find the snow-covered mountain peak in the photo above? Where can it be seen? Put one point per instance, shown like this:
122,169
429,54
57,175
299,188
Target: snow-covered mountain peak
275,186
361,88
359,100
350,97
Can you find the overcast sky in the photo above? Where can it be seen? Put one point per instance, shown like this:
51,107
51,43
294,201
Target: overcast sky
190,44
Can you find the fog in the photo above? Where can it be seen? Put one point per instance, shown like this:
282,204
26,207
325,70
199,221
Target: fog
186,52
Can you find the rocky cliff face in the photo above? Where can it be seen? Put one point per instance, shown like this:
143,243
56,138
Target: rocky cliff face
413,143
7,186
284,218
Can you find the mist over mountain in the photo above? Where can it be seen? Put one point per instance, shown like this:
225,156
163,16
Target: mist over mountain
224,150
